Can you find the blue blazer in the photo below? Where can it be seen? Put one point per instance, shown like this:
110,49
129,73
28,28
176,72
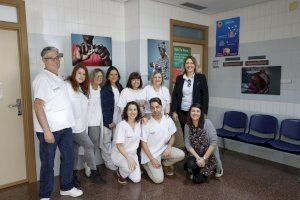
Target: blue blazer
108,103
200,93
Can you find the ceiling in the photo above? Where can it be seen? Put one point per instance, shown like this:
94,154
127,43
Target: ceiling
214,6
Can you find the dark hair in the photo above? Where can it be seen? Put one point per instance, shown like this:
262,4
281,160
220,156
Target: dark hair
155,99
107,82
201,120
194,61
85,84
93,74
134,75
125,115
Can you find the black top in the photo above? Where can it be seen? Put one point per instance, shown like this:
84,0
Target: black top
200,93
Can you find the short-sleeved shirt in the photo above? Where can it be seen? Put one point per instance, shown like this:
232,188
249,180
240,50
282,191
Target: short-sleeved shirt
79,104
57,107
163,94
95,110
128,137
129,94
157,135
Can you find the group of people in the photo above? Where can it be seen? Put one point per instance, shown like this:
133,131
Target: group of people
131,126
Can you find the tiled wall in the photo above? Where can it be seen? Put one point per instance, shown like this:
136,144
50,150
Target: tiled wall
266,29
155,24
132,36
51,22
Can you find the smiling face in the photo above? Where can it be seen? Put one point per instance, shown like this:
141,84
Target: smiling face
157,80
98,78
195,113
51,61
132,112
80,76
113,76
155,109
135,83
189,66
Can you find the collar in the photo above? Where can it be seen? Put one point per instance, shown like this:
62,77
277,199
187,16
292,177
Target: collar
186,78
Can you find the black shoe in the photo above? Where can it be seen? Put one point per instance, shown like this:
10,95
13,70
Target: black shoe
76,181
96,177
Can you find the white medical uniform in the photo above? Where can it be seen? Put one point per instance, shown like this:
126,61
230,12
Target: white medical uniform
130,139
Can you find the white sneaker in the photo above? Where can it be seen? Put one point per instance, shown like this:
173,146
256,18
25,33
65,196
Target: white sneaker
87,170
74,192
219,174
45,199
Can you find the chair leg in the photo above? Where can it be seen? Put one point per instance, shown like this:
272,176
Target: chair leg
223,139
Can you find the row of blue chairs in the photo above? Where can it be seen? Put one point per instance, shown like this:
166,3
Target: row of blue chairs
262,131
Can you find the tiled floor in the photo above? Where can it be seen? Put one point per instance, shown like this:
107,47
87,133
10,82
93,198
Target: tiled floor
244,178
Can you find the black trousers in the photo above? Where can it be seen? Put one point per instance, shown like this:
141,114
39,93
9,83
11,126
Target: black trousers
182,117
191,164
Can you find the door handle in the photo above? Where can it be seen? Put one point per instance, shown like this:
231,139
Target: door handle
17,105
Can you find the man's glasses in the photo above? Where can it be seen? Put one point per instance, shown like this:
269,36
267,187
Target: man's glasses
189,82
57,58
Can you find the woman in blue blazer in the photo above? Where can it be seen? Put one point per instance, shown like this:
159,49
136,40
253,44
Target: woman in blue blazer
110,94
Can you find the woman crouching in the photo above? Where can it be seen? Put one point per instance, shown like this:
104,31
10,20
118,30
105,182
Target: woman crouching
125,144
200,140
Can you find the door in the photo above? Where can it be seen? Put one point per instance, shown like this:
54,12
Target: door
12,146
186,39
180,51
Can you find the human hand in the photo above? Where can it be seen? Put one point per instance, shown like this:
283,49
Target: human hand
167,152
131,164
112,125
201,162
49,137
155,163
175,116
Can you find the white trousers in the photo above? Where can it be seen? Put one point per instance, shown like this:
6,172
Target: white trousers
157,174
124,170
106,148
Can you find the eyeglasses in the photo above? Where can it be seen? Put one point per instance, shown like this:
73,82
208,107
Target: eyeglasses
189,82
57,58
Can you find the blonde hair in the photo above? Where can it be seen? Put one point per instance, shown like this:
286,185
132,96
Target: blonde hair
162,77
194,61
93,74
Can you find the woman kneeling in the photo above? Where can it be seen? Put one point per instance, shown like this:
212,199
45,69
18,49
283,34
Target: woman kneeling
201,141
125,144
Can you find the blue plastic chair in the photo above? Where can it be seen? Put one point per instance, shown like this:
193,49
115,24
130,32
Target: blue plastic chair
289,131
235,120
265,128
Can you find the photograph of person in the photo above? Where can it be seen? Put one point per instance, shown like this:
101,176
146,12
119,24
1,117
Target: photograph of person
158,58
91,50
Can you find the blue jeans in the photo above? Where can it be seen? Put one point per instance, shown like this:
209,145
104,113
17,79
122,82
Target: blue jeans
64,141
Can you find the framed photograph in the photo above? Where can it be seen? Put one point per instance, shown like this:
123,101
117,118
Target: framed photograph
261,80
91,50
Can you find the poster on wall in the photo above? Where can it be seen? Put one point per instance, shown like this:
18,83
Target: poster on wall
180,53
261,80
158,58
91,50
227,37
